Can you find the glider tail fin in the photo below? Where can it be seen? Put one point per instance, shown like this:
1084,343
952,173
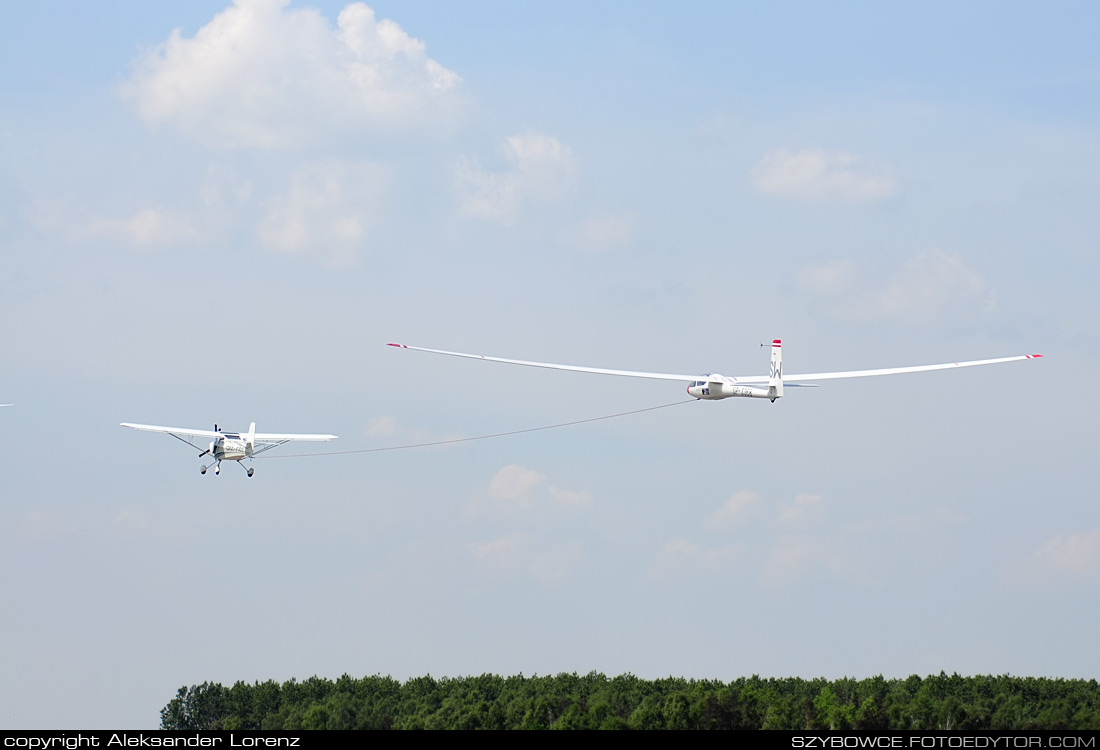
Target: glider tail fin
775,381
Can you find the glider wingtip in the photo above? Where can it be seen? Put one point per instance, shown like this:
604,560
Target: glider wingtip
399,346
1034,356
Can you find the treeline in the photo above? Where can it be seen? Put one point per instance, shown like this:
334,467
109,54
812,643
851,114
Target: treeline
594,701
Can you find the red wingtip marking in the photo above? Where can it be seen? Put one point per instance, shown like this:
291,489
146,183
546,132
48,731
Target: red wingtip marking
1034,356
399,346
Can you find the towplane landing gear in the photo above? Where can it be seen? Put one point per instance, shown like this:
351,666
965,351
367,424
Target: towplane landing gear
218,468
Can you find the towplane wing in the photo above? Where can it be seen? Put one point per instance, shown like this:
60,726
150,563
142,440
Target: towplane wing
259,437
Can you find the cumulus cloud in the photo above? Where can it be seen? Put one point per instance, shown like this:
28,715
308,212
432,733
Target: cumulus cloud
805,508
790,556
1078,553
43,525
326,210
557,563
682,556
512,485
602,233
516,487
829,279
680,548
570,497
223,188
504,553
387,432
147,228
263,75
935,283
735,507
518,554
540,168
926,289
816,175
381,426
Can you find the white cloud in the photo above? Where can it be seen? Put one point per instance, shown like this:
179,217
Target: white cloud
262,75
1079,553
805,508
149,227
795,559
517,554
570,497
680,548
517,487
789,557
381,426
223,188
504,553
817,175
602,233
926,289
735,507
326,210
45,525
935,284
513,484
557,563
829,279
540,168
395,433
681,557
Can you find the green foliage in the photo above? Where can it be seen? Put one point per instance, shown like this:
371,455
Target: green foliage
594,701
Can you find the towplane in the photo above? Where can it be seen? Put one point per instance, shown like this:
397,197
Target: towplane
229,446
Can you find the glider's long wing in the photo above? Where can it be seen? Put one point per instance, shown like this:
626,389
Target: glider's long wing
178,431
789,379
573,368
899,370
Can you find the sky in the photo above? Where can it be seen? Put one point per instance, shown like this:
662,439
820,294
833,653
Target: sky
217,212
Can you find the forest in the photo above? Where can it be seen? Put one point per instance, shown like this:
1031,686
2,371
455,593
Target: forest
595,701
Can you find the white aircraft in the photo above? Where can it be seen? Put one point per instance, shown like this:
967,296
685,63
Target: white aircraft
229,446
714,386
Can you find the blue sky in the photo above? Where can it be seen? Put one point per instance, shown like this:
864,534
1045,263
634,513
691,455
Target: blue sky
216,212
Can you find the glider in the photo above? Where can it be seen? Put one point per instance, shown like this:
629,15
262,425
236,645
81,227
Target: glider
713,386
229,446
